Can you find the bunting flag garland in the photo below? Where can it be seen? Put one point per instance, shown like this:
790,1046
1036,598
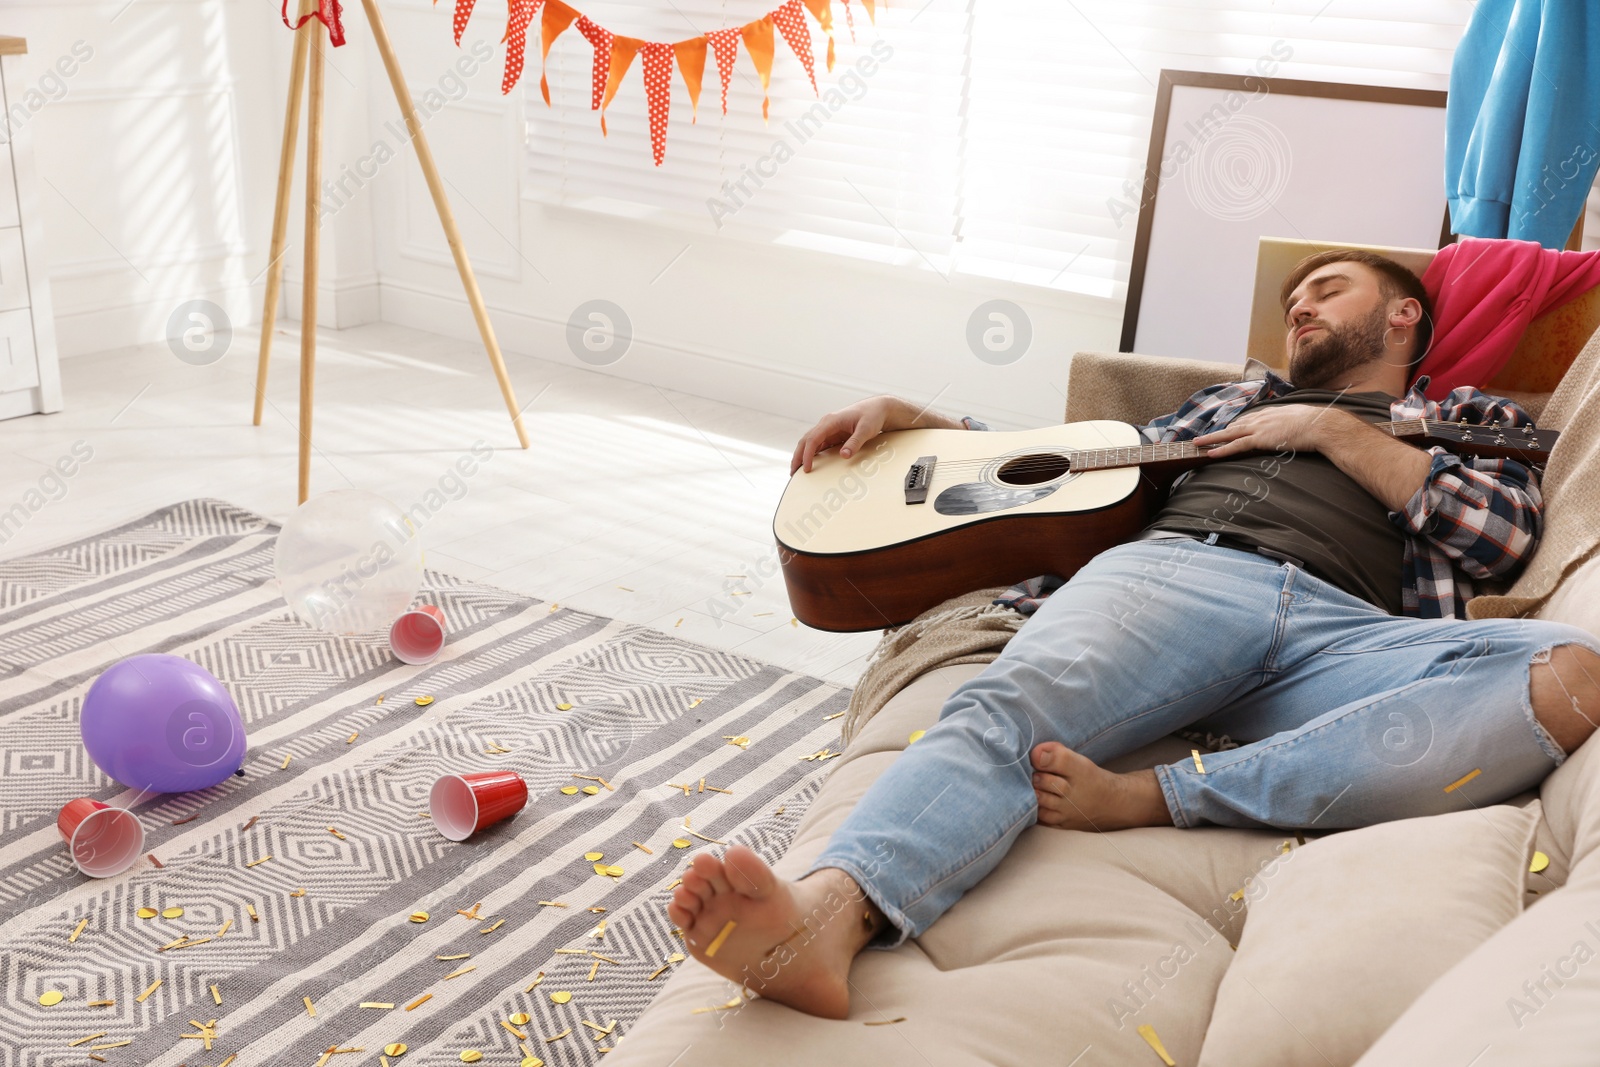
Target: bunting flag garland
613,54
724,47
329,14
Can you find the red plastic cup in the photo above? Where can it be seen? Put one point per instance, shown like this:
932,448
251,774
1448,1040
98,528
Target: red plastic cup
418,635
103,840
463,804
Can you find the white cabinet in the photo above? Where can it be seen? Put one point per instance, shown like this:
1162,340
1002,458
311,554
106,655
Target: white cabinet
30,377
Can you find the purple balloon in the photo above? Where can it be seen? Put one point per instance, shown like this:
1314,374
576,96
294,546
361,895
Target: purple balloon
162,724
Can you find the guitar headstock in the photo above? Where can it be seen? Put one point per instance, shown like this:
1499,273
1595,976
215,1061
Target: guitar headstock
1526,443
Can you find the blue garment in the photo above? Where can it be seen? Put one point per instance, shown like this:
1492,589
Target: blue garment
1522,121
1345,715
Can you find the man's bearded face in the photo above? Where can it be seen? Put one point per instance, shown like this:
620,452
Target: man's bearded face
1327,356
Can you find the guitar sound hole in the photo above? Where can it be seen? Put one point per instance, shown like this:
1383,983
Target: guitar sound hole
1031,470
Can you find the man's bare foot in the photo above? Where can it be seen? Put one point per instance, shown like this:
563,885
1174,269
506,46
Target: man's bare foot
791,942
1075,793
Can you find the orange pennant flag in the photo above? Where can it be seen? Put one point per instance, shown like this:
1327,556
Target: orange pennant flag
724,47
758,41
557,17
791,22
691,55
656,59
520,18
822,11
623,49
600,37
871,14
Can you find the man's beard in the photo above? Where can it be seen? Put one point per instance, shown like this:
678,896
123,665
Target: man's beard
1333,352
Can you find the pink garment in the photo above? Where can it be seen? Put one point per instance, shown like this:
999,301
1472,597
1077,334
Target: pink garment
1485,291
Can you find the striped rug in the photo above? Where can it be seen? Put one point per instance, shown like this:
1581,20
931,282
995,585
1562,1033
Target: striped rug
195,580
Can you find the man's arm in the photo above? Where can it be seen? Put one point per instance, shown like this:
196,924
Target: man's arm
852,427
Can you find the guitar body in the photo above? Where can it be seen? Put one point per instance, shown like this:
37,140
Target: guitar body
998,508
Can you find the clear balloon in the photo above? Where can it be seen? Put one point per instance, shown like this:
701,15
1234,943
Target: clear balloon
348,561
162,724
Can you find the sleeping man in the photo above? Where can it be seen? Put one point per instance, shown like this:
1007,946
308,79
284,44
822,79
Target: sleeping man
1303,595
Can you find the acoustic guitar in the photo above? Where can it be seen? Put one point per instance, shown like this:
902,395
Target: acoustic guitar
920,516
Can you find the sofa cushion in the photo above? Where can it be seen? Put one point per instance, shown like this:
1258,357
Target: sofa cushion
1075,940
1357,926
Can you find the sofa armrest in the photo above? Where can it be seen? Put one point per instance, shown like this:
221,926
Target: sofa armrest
1135,388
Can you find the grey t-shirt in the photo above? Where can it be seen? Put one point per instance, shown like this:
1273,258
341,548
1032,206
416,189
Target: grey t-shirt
1302,505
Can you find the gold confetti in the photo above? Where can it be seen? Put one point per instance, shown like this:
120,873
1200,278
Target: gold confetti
916,735
734,1003
513,1030
780,809
1199,767
657,972
470,1055
697,701
597,910
835,715
601,868
140,999
646,848
226,926
532,1061
419,1001
1463,780
702,788
311,1009
81,924
257,863
1237,894
230,1059
397,1048
99,1059
491,929
462,971
336,833
592,856
565,1032
152,857
521,1018
285,764
716,789
607,959
551,904
173,944
472,912
703,837
677,957
592,971
1540,862
376,1004
216,994
794,622
424,701
675,785
1148,1032
885,1022
624,588
678,623
114,1044
172,913
192,944
249,824
737,739
675,883
51,998
86,1040
560,996
614,871
419,916
352,738
554,606
250,909
380,698
572,951
599,931
591,789
101,1003
533,984
716,942
681,842
569,789
762,614
563,707
147,913
298,893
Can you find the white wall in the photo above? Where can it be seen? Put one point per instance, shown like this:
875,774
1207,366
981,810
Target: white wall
151,188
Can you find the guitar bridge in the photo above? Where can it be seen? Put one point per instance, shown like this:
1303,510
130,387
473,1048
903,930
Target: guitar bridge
918,478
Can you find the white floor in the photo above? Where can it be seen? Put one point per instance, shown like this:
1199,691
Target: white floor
633,502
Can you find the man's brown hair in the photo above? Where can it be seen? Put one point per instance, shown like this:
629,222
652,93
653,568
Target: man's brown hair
1393,280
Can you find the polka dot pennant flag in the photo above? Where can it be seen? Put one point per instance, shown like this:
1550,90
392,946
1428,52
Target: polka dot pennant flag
724,46
691,57
521,17
557,17
656,59
791,22
759,42
459,21
328,12
600,37
850,21
822,11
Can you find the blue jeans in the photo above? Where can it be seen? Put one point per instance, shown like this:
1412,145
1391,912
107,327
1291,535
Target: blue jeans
1345,716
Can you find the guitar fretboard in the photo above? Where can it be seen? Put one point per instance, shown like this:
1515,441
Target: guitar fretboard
1136,455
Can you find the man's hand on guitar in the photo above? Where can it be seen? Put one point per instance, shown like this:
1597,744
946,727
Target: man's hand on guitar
1292,428
852,427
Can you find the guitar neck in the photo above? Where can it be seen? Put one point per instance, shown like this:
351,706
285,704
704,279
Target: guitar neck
1458,437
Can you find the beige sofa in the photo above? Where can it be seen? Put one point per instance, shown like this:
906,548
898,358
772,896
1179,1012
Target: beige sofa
1423,941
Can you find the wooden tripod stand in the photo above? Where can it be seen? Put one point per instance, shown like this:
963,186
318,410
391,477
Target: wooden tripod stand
308,44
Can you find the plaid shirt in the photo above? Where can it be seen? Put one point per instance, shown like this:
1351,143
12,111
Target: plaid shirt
1473,519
